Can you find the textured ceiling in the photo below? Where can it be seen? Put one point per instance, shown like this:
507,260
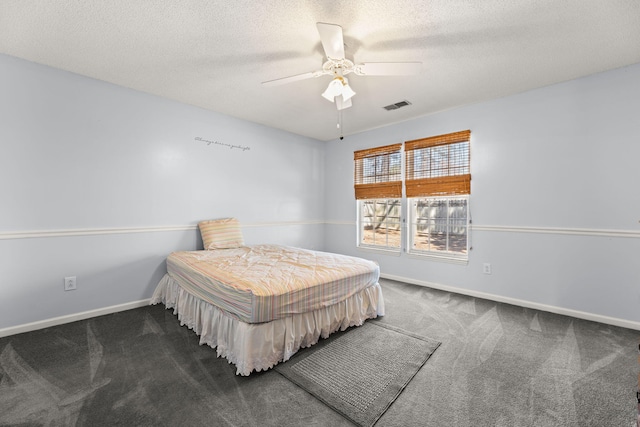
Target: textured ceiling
215,54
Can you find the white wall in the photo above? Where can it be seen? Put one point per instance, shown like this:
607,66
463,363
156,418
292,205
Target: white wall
102,182
554,198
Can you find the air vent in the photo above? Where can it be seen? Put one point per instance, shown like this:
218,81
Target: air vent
397,105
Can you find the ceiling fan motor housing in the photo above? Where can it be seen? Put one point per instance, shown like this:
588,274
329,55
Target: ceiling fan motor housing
339,67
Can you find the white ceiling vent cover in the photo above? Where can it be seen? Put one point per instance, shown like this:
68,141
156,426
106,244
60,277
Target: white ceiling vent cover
397,105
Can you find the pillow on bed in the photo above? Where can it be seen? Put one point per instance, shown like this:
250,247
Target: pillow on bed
221,234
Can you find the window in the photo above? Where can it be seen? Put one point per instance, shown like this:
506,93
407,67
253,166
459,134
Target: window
379,223
439,226
438,165
378,190
438,182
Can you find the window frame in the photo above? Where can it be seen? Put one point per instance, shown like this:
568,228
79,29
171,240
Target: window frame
411,230
378,185
425,182
441,177
361,224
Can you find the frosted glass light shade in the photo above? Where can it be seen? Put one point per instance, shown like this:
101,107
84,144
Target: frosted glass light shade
347,92
334,89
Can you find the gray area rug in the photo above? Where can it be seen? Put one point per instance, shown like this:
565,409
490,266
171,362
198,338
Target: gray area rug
362,371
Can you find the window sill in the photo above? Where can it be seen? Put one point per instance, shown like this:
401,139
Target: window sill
391,252
441,258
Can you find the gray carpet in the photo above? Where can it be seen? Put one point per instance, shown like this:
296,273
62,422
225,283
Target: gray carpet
498,365
361,371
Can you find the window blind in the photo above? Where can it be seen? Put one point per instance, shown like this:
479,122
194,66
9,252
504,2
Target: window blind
438,165
378,172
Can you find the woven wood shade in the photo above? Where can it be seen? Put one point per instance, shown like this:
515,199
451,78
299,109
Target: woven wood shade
438,165
446,185
433,141
386,190
377,151
377,173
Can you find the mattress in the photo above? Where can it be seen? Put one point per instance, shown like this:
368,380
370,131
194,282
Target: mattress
262,283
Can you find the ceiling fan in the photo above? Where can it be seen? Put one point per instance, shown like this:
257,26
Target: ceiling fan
338,66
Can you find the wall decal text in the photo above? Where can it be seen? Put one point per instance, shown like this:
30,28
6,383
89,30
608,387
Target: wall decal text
224,144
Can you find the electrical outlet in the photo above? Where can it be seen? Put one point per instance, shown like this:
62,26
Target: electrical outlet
70,283
486,268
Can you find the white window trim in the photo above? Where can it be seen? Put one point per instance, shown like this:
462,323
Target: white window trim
439,258
378,248
436,255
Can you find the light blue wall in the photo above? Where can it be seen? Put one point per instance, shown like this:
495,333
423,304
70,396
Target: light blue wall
80,155
548,162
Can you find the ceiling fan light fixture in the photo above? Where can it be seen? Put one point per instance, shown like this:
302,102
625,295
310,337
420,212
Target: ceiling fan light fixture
347,92
338,86
334,89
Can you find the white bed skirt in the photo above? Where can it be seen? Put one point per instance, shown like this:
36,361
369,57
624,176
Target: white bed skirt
261,346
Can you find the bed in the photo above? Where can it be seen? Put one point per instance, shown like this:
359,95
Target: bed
258,305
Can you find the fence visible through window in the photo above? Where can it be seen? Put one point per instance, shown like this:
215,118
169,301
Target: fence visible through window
440,225
381,223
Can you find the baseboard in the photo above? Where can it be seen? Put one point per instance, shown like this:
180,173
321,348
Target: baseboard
28,327
521,303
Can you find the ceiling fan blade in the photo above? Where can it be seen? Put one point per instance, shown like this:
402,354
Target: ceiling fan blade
332,40
388,68
290,79
342,104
